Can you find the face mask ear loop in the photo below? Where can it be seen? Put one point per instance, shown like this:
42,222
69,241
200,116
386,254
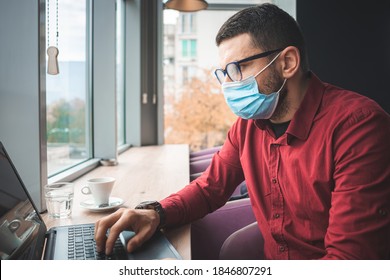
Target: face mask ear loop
268,64
285,80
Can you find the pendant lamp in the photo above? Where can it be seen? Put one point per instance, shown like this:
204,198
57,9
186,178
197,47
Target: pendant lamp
186,5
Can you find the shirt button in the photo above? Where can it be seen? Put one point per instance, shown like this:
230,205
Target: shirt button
274,180
382,212
282,248
276,215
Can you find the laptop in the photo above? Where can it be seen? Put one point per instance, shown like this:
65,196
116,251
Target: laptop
24,235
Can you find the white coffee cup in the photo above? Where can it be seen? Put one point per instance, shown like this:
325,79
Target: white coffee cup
100,188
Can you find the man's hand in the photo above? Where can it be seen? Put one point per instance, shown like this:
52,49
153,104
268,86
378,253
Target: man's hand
143,222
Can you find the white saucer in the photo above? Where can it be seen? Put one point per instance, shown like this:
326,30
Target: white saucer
90,204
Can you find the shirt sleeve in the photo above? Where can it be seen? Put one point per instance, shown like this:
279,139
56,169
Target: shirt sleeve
359,218
211,190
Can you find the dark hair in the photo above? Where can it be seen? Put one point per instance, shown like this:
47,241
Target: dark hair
270,28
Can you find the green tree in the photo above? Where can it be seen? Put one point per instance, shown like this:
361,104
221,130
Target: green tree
66,121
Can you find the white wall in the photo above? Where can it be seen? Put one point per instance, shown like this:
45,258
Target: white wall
20,91
208,25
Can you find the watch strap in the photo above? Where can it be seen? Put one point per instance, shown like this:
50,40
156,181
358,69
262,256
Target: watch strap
156,206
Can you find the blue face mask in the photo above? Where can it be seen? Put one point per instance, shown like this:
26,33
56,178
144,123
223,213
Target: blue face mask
245,100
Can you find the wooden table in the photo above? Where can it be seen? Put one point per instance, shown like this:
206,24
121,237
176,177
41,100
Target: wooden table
142,173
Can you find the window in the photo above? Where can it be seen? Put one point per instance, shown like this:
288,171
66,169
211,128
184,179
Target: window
120,71
187,23
192,48
194,107
195,111
55,114
189,48
188,73
67,94
185,74
184,48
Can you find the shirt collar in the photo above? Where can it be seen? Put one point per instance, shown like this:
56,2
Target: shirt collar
302,121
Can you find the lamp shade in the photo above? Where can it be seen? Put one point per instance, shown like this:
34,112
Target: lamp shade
186,5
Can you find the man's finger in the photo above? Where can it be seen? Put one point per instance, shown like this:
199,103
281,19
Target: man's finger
140,238
101,228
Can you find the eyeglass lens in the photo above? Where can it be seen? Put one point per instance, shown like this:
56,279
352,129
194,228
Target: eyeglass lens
232,70
220,75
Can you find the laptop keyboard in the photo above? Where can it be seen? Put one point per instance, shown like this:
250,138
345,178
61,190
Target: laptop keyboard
82,245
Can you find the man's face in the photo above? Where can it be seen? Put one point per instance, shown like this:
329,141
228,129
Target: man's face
240,47
270,80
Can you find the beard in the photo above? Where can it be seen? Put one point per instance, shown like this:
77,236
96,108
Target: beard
273,83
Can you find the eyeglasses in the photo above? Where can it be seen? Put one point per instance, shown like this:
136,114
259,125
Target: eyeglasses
233,69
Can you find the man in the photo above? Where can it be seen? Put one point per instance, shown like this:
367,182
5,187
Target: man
315,157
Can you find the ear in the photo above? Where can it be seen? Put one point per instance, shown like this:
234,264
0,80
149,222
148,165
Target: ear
291,60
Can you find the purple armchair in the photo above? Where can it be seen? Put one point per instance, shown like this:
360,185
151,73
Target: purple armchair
208,151
244,244
199,166
200,160
208,156
231,232
199,163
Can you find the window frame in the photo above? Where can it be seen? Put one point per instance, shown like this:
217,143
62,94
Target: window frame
101,16
84,164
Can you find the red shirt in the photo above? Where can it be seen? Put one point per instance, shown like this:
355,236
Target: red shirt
321,190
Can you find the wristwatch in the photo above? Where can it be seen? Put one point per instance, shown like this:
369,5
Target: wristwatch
156,206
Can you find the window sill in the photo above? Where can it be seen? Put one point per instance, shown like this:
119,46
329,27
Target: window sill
75,172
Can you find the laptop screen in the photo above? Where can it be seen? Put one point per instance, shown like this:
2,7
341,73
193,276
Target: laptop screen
21,228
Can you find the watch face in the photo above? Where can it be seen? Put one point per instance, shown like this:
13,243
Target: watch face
148,205
152,202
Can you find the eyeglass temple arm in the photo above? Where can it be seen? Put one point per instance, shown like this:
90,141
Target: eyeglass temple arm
260,55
